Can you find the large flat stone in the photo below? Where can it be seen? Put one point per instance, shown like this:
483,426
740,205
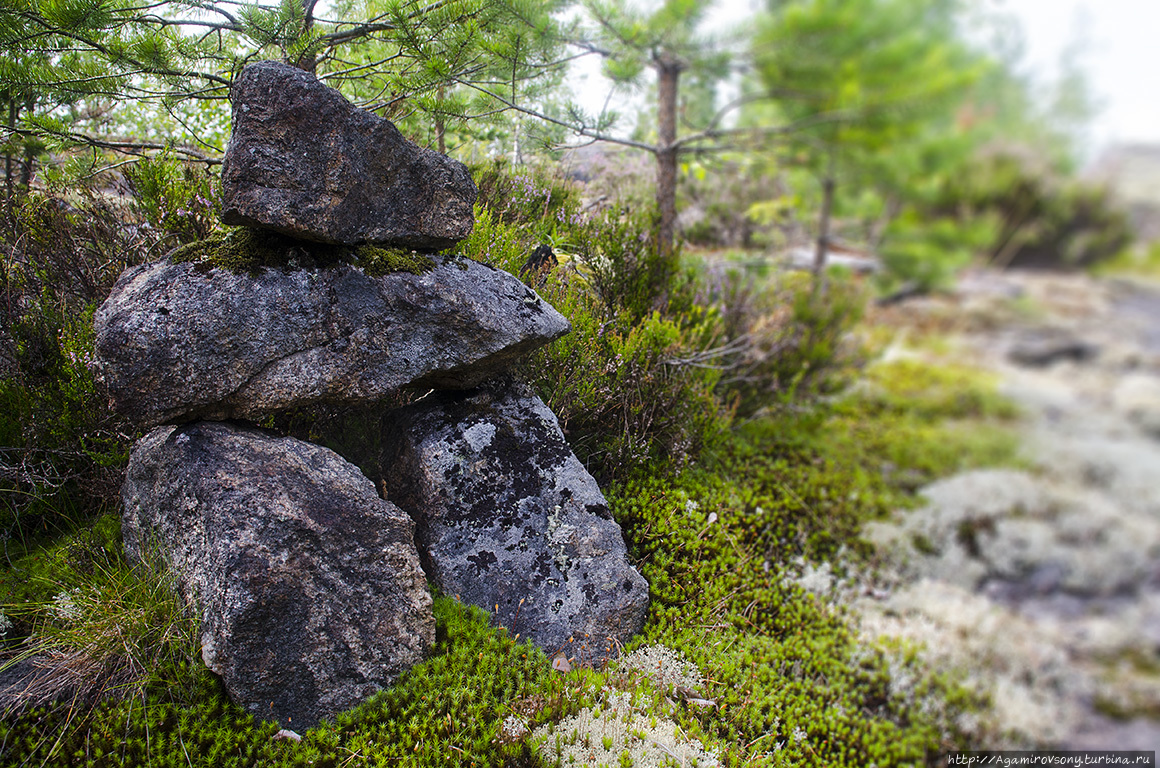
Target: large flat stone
509,520
306,162
178,342
306,584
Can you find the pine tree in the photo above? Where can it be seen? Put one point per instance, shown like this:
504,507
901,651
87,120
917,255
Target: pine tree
856,77
70,67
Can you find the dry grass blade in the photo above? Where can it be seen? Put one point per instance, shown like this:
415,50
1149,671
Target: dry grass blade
125,628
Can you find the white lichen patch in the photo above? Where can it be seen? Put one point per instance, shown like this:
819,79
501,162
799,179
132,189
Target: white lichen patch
65,605
616,734
479,436
1032,682
667,669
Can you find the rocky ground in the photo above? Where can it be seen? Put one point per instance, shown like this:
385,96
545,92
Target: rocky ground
1043,583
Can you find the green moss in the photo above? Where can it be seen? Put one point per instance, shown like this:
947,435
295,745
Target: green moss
929,392
377,261
241,250
248,250
790,681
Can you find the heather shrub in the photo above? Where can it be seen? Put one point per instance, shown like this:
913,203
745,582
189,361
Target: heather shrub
61,447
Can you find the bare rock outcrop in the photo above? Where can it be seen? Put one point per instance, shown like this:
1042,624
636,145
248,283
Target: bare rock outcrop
508,519
179,342
304,161
306,584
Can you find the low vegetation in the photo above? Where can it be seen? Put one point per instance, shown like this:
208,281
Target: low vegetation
737,429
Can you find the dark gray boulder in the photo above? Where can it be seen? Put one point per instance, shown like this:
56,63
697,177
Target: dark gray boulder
507,516
306,584
178,342
304,161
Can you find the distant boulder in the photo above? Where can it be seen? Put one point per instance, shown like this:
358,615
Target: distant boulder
509,520
306,584
179,342
304,161
1042,348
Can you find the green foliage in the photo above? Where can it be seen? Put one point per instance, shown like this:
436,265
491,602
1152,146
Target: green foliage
862,73
448,73
620,389
928,252
60,446
1143,260
1045,221
779,340
178,199
99,627
518,210
725,202
819,322
620,382
625,266
637,40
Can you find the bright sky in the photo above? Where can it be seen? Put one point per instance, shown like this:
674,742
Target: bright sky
1122,57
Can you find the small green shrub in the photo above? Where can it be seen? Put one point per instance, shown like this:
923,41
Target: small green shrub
927,253
778,339
619,387
61,448
179,201
526,198
626,271
1046,221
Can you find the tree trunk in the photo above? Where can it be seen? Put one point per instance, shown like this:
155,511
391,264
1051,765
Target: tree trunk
823,245
668,75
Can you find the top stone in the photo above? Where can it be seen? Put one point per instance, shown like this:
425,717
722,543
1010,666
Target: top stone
305,162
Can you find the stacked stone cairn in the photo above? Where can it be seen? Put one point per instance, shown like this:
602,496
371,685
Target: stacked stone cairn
310,588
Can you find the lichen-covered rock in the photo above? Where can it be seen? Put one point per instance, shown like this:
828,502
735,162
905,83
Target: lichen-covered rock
179,342
306,584
306,162
509,520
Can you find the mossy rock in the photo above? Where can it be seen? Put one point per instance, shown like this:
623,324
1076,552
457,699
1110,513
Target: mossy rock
248,250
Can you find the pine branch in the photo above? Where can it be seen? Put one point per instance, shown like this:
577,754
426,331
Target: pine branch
578,129
135,148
